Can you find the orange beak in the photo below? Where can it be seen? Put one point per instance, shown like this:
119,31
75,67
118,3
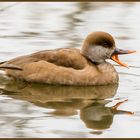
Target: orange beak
117,52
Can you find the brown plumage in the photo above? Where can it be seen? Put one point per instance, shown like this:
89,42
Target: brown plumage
69,66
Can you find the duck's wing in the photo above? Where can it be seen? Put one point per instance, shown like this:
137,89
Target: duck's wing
65,57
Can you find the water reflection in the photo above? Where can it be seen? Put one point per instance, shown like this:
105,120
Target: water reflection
69,100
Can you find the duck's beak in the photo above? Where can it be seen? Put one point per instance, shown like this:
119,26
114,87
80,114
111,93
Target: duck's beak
117,52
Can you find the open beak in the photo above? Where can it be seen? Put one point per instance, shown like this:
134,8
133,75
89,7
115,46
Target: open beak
117,52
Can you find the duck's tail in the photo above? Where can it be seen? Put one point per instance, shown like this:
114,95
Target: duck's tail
3,65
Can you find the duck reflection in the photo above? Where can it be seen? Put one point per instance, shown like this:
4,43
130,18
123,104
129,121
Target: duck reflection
68,100
98,116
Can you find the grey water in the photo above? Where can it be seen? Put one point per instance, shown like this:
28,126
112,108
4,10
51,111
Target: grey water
47,111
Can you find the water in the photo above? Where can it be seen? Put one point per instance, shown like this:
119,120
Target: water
59,111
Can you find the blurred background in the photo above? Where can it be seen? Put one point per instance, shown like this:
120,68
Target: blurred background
26,27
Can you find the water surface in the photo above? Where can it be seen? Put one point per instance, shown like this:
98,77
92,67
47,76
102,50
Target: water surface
30,110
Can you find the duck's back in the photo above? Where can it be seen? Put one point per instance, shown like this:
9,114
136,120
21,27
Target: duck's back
66,57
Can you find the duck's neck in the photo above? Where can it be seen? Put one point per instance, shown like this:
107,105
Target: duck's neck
108,73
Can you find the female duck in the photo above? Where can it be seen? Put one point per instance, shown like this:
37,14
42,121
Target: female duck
70,66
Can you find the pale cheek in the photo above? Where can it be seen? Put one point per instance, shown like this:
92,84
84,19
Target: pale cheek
105,53
100,52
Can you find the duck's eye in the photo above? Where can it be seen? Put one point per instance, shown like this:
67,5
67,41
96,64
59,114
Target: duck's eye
105,44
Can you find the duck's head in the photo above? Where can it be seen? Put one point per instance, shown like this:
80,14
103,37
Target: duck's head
99,46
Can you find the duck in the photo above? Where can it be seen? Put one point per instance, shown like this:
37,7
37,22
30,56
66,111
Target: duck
70,66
